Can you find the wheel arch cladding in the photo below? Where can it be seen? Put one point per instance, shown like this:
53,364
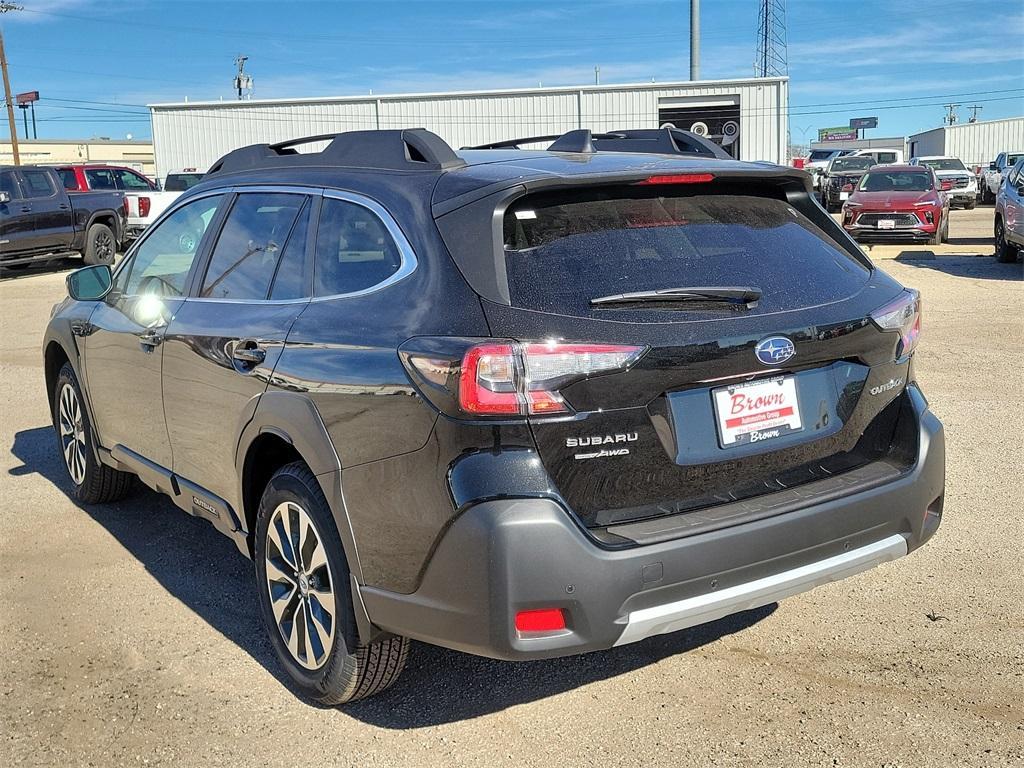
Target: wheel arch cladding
54,359
266,454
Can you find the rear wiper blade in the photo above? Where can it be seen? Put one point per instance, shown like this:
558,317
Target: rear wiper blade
735,295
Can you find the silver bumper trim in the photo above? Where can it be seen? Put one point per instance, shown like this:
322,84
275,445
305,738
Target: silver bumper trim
681,614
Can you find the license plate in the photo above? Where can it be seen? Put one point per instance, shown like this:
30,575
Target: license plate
844,195
756,411
886,224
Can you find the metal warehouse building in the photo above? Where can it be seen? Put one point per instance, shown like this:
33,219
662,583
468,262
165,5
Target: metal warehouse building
974,143
749,117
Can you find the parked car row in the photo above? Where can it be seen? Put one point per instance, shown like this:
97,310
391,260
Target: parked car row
86,210
40,220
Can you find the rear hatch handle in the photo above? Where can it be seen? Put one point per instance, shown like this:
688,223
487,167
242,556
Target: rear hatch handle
731,295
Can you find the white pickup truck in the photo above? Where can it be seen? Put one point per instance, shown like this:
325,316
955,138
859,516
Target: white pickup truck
958,183
143,208
993,177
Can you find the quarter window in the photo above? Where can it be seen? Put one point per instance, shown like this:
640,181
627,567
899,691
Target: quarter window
354,250
246,256
162,262
37,184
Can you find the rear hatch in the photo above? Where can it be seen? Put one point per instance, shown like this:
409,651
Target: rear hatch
733,394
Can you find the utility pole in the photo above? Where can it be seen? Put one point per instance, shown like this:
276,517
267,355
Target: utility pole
4,8
243,82
695,39
951,117
975,108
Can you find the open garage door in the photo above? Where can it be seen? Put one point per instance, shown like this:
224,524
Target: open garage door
717,118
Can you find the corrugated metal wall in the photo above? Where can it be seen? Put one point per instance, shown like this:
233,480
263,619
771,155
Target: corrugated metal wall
979,143
974,143
195,135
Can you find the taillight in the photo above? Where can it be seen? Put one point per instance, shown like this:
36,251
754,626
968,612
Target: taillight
904,316
513,379
144,206
847,188
124,204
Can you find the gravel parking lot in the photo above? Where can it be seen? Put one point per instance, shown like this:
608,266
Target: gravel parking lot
130,633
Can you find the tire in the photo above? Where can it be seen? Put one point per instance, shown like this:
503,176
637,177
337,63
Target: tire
1006,253
333,668
100,245
94,483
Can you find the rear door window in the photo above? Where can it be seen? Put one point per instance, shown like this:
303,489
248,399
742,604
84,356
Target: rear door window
100,178
68,178
245,258
564,249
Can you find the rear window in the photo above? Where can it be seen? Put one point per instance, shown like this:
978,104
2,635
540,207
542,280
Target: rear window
179,182
564,249
856,163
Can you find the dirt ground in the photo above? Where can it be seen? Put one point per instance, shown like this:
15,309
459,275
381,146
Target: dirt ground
129,633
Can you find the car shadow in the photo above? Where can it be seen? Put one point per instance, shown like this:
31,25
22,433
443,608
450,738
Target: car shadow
977,267
987,241
203,569
39,268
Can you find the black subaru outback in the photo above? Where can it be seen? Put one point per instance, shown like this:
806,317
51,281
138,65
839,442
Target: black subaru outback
517,403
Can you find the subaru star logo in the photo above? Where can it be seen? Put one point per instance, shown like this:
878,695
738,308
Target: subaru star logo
774,350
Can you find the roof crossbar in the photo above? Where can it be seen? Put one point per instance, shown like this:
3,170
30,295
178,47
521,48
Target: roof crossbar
668,140
407,149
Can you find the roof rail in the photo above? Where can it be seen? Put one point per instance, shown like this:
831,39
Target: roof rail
667,141
406,149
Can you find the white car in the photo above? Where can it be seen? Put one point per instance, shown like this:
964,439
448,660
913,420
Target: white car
992,178
1009,219
882,156
959,184
143,208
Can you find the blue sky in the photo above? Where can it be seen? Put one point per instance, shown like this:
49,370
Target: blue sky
901,58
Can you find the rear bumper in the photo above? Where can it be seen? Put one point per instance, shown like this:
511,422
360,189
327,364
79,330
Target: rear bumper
505,556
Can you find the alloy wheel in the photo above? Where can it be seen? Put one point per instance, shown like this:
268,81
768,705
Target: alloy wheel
104,246
300,585
72,433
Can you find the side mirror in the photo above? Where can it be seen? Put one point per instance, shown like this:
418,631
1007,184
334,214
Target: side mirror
5,197
992,167
90,283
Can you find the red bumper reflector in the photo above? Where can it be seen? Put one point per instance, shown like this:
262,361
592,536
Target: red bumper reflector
544,620
679,178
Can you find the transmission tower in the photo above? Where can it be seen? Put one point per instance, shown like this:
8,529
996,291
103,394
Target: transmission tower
771,40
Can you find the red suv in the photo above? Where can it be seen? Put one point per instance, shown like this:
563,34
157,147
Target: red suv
82,178
897,202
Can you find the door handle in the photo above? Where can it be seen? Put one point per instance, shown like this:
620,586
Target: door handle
26,209
249,353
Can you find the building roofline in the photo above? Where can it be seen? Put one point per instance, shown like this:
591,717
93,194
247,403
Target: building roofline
463,94
35,142
967,125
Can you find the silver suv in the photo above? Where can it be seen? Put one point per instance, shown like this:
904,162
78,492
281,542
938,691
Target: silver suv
1009,226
